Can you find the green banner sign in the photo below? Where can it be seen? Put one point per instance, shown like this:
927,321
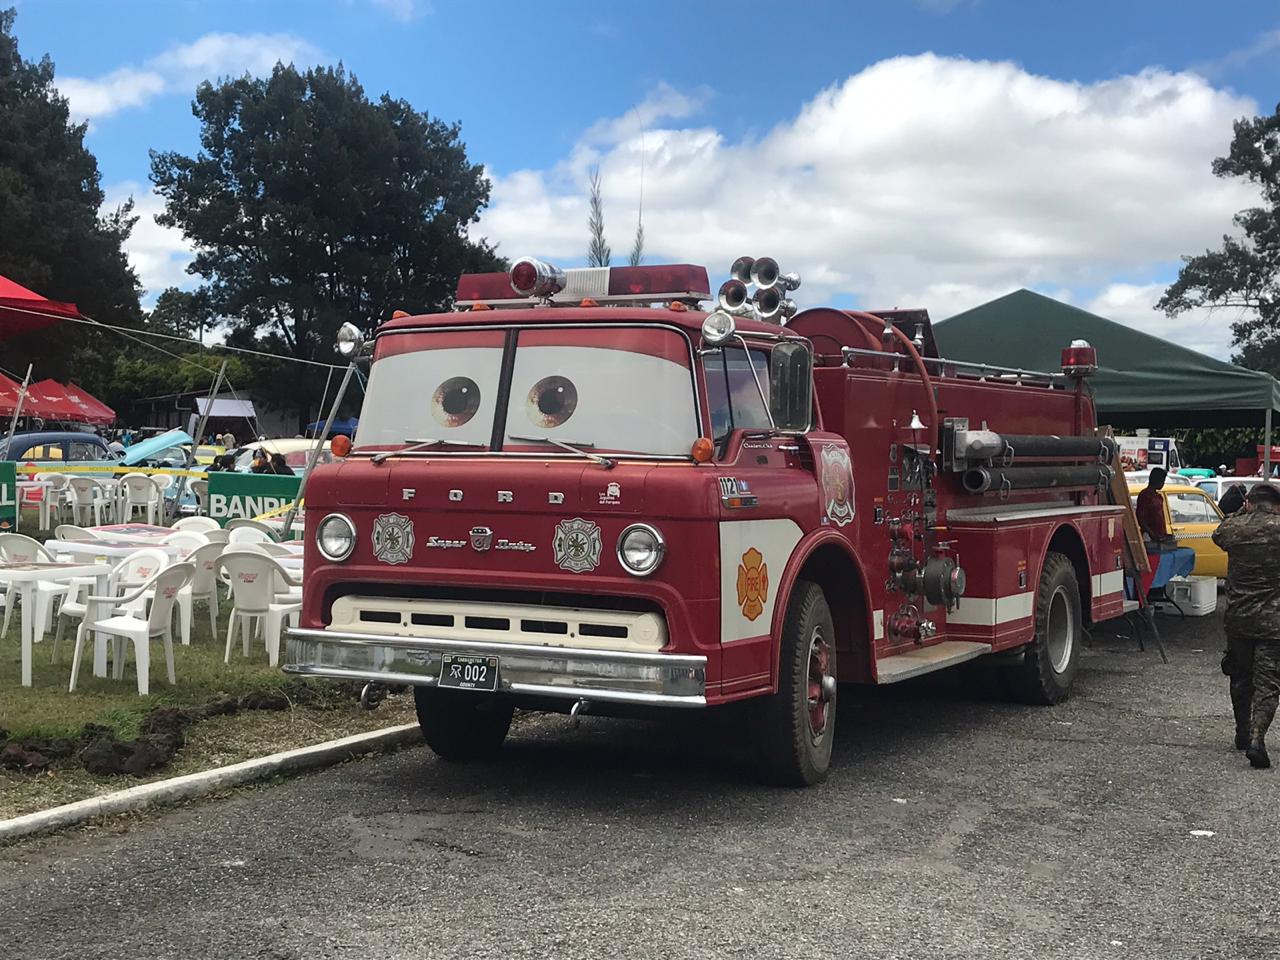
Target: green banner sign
249,495
8,497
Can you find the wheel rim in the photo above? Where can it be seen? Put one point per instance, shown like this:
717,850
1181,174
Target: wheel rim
821,686
1060,630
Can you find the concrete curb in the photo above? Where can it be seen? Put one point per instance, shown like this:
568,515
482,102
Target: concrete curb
209,781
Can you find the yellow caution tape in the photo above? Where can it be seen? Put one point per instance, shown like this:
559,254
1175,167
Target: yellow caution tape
148,471
278,511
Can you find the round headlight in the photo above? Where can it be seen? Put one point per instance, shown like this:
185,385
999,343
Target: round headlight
718,327
336,537
350,340
641,549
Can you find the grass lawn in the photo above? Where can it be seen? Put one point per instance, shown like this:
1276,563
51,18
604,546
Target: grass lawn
47,709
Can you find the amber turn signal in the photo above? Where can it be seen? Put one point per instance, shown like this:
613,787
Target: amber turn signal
340,445
702,450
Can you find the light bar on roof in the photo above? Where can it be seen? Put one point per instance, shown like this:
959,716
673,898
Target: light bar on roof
638,285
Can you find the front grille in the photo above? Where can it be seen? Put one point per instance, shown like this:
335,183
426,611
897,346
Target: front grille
565,626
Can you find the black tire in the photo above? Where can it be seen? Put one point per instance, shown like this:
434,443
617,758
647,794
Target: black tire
792,754
1052,658
460,726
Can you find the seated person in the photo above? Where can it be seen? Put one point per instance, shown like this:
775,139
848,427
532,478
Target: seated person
1175,561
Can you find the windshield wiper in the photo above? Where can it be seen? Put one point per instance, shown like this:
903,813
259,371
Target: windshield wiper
575,446
422,445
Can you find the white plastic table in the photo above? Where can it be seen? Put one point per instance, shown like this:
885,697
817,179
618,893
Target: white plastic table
24,577
115,549
145,534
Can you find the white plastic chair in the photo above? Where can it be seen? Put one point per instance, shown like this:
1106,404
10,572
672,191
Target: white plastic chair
58,492
127,575
140,493
249,535
186,541
203,586
248,523
198,524
217,536
254,580
19,548
201,490
159,623
89,500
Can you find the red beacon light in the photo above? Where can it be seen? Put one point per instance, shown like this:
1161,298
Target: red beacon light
533,278
1080,359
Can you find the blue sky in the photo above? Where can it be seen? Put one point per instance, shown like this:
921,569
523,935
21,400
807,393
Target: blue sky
878,130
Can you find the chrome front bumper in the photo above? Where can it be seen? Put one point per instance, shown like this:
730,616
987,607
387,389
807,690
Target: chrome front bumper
570,673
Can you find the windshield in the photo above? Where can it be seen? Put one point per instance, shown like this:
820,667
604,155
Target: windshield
618,390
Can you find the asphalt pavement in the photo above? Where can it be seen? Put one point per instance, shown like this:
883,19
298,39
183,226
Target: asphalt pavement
954,824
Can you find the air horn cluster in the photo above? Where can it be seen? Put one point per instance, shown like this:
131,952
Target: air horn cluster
770,301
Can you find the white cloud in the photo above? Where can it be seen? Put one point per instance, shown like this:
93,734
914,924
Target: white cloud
1131,304
180,68
404,10
1264,45
921,180
159,254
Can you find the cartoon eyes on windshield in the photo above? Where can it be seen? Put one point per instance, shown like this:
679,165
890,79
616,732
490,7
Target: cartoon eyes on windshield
455,401
551,401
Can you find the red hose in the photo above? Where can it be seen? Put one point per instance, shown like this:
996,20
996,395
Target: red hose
920,369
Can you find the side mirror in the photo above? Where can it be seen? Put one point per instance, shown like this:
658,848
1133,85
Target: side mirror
791,386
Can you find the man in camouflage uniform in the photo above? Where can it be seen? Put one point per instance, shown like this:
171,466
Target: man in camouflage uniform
1252,661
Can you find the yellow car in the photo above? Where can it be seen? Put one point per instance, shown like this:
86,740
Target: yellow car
205,453
1192,517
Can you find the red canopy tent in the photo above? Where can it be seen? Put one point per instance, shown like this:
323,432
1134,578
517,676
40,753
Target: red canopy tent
23,310
52,402
8,396
95,410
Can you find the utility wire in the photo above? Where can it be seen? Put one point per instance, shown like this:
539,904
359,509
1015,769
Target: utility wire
187,340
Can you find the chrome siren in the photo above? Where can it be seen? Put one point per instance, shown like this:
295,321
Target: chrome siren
733,296
766,275
533,278
773,306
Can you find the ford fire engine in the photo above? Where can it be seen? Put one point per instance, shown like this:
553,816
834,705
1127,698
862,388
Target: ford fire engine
581,490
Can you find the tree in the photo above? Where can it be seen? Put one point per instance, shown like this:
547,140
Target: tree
56,238
598,252
181,313
637,247
1245,272
309,205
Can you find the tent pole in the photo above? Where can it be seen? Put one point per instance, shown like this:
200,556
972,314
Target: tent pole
17,411
1266,450
315,451
191,455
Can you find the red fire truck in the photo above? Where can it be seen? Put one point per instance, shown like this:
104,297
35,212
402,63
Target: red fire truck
582,491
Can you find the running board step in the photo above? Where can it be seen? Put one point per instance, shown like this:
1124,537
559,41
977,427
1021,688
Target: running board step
914,663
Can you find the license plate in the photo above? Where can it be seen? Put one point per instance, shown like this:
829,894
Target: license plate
469,673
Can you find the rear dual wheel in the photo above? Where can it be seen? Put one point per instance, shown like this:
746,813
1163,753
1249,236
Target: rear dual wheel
1051,660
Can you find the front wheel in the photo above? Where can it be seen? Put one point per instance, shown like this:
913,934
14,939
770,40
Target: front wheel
797,724
461,726
1052,658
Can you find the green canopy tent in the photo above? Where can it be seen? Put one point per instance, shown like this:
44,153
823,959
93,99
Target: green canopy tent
1142,381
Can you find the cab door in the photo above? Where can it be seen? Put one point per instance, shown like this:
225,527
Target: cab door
765,489
1193,517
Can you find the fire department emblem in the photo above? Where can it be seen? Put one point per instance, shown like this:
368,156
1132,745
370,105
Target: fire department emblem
753,584
837,484
393,538
577,545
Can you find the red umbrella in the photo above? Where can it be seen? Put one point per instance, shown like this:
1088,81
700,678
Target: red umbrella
52,403
23,310
96,411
